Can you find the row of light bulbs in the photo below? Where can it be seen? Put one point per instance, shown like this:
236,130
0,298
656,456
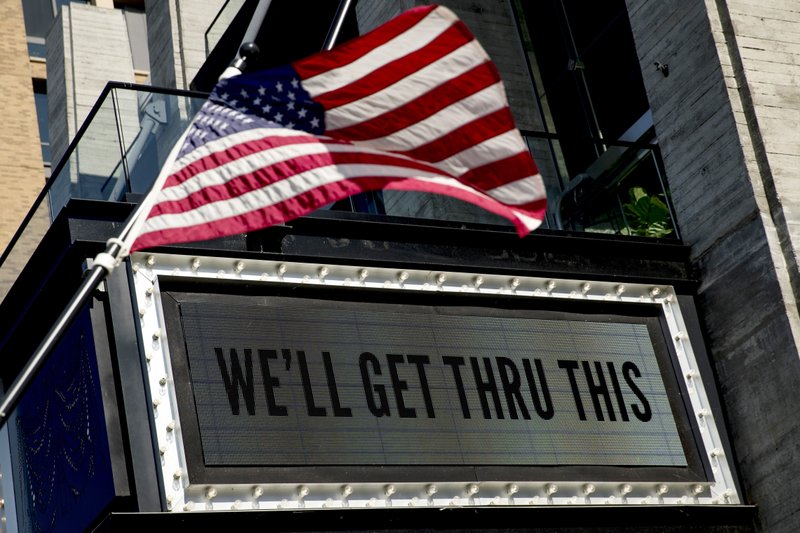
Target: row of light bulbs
402,276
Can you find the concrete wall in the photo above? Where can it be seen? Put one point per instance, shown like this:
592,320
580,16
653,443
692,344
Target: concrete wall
78,70
763,44
163,56
723,120
177,42
176,38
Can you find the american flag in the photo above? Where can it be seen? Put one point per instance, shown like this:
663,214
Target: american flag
416,104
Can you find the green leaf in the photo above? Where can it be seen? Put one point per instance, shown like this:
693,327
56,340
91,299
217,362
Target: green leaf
647,215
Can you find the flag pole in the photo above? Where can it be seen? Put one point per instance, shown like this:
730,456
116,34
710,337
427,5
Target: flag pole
336,26
117,248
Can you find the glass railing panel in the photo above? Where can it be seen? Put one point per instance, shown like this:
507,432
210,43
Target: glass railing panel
149,135
547,152
623,192
221,22
78,167
123,147
119,150
88,162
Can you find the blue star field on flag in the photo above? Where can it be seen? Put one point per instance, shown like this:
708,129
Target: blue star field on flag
272,98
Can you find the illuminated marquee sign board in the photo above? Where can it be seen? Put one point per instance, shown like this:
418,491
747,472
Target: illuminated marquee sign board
347,380
282,378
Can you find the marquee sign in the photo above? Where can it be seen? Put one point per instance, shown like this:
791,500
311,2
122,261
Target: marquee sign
330,382
303,383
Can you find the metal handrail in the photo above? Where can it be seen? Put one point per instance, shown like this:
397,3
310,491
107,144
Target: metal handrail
213,22
110,86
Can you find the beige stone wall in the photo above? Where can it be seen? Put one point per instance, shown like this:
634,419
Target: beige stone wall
21,170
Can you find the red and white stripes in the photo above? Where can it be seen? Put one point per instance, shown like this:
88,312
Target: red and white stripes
414,105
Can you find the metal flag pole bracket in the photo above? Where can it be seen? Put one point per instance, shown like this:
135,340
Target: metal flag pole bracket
107,259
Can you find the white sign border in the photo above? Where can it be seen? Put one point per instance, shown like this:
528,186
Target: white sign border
182,495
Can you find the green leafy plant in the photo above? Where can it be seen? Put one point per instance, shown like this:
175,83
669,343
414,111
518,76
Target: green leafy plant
647,215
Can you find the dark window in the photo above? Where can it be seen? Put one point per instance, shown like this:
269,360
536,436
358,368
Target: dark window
137,36
40,98
39,15
588,75
591,96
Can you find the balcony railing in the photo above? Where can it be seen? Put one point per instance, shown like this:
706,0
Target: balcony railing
116,153
622,190
127,135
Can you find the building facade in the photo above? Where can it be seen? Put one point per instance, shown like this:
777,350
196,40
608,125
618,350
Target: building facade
664,133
